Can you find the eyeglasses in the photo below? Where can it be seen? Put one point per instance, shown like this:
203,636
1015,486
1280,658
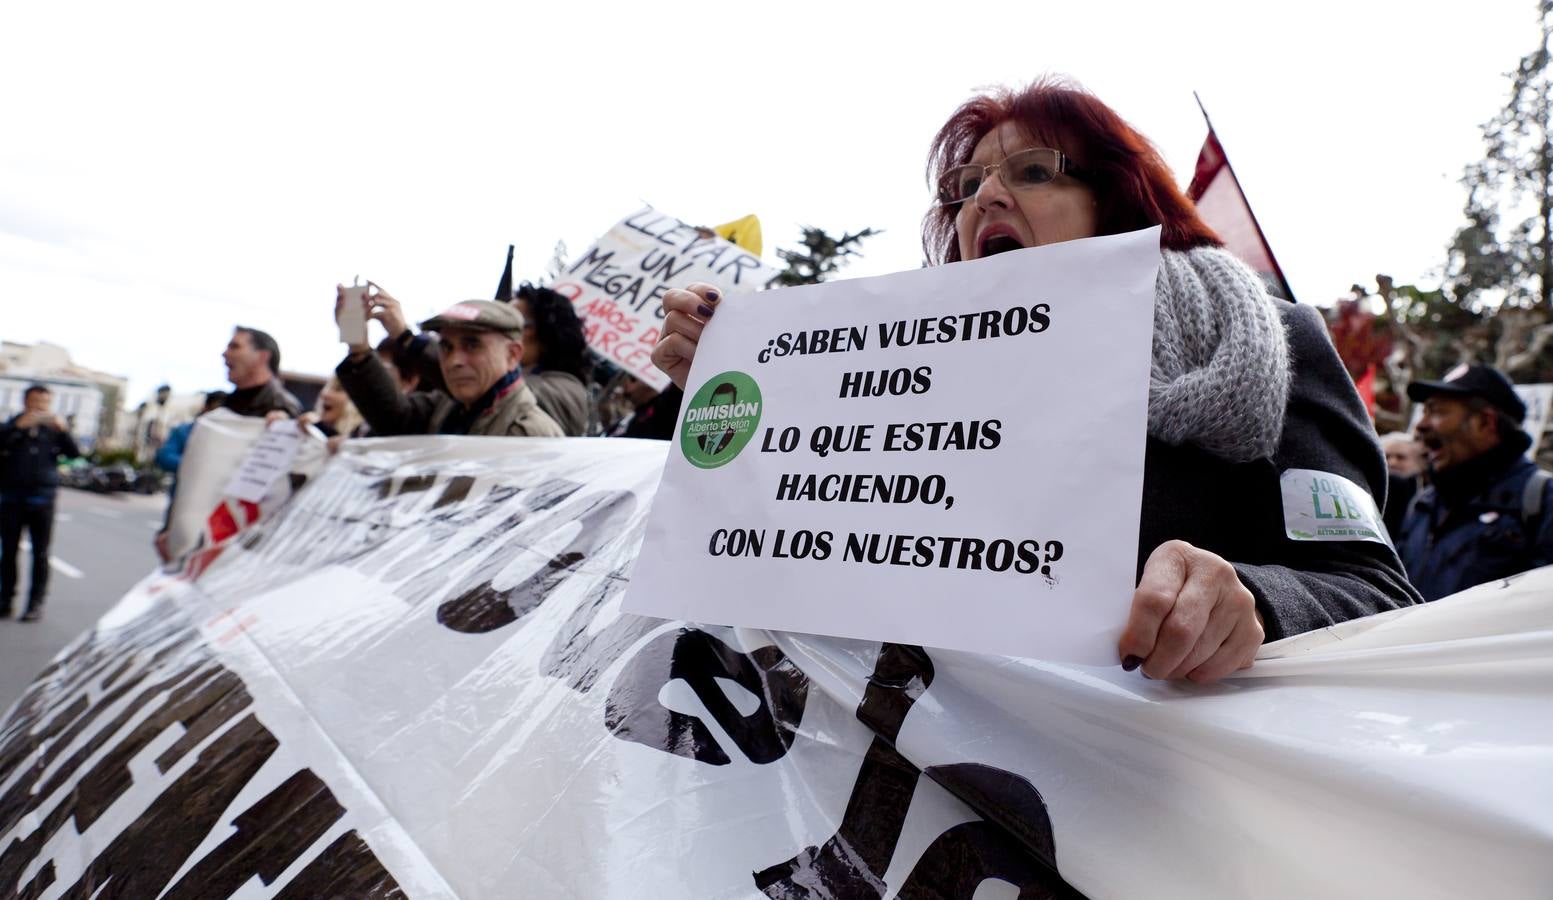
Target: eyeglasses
1019,171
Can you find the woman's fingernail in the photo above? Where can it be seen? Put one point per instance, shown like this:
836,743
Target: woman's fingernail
1131,662
713,296
704,310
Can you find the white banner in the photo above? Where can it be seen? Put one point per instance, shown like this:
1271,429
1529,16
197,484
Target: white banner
414,679
619,283
211,503
950,457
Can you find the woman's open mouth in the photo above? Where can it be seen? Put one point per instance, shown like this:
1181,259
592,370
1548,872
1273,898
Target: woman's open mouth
995,242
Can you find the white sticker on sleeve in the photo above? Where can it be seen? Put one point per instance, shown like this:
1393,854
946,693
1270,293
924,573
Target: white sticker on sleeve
1320,506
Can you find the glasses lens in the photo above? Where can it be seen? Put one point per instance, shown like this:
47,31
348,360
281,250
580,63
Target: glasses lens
959,183
1030,167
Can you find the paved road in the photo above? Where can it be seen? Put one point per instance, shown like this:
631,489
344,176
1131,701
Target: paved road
102,546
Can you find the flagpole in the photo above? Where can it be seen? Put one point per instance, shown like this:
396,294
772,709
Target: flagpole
1282,281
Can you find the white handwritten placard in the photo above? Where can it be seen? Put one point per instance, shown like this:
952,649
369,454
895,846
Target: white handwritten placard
618,285
268,460
950,457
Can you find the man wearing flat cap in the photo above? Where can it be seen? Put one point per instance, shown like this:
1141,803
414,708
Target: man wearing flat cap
481,347
1484,515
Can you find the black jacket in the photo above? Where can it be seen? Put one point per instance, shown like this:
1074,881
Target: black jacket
29,458
1480,537
1236,509
263,400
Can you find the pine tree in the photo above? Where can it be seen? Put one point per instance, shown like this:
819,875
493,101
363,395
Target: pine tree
820,257
1501,259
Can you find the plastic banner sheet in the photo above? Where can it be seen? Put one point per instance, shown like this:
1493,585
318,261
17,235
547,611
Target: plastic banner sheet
412,679
205,511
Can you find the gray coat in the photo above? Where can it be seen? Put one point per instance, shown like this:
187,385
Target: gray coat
1236,509
563,396
515,414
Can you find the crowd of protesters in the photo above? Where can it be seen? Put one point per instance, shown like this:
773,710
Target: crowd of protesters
1243,387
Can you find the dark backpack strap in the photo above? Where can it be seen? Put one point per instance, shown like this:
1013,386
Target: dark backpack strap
1531,497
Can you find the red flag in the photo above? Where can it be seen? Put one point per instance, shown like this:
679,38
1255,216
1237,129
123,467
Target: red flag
1223,206
1366,386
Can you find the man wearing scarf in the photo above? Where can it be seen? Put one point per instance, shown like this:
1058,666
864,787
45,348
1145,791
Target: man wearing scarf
481,344
1485,514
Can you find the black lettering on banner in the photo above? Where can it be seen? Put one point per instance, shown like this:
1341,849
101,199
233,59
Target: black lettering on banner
633,712
577,656
482,607
1014,843
203,698
348,868
85,666
853,861
156,664
457,491
403,561
145,855
271,835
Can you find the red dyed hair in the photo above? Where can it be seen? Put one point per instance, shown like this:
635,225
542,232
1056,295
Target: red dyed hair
1132,185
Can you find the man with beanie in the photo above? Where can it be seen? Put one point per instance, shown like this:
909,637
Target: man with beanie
1484,515
481,347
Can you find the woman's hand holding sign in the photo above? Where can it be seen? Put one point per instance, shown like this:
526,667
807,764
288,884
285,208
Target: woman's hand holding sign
687,312
1191,617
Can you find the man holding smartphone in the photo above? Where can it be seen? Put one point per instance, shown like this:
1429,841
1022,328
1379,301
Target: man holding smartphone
31,445
481,351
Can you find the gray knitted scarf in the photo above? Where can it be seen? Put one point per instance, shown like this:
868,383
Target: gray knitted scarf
1220,374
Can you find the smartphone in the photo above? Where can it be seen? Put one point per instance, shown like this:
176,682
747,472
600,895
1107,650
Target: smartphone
352,317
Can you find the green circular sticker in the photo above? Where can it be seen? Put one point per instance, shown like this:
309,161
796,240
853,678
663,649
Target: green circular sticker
720,419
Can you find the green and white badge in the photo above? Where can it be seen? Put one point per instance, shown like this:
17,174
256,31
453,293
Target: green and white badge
1321,506
720,419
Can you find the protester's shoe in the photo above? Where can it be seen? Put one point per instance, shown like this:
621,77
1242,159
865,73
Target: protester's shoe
5,612
33,614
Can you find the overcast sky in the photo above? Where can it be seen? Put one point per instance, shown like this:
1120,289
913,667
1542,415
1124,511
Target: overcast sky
171,170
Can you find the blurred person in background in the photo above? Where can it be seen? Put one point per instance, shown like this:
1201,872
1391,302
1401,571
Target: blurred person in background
653,413
170,456
1484,514
555,358
1404,455
414,361
334,414
253,365
1405,465
31,446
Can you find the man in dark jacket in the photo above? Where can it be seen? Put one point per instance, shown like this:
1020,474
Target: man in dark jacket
1484,514
253,364
31,444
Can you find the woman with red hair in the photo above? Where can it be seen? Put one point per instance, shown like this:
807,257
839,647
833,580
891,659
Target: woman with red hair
1245,391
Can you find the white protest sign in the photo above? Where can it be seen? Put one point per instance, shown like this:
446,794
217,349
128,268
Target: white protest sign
950,457
1539,401
267,461
619,283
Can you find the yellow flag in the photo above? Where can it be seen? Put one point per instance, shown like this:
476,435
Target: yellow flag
745,232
